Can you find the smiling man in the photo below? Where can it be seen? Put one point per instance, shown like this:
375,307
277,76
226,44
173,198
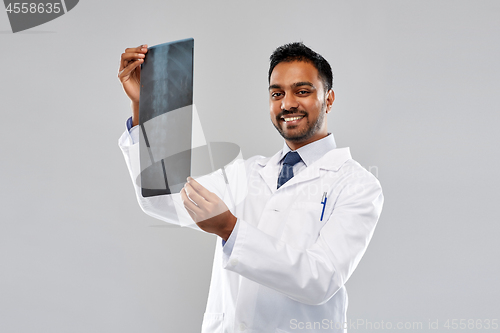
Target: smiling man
305,218
299,101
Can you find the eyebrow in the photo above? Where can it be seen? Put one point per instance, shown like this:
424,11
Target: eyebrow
294,85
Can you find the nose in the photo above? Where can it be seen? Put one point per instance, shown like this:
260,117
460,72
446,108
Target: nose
289,102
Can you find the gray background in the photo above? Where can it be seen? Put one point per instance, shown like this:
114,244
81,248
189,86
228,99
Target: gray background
417,87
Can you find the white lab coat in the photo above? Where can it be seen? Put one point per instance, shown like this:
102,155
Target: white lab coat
286,270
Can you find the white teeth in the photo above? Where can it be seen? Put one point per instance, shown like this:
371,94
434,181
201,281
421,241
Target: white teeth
293,118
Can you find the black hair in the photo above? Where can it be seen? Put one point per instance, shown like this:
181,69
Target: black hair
299,52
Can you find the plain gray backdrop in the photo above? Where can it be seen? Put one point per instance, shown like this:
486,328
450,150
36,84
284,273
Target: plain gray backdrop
417,86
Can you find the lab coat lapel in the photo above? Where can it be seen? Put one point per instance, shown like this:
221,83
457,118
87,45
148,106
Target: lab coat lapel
270,171
307,174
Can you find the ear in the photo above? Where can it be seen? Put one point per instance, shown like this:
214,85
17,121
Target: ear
329,98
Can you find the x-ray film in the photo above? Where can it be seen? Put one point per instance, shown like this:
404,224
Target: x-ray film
165,117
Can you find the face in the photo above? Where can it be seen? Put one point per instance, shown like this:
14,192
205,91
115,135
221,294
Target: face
298,103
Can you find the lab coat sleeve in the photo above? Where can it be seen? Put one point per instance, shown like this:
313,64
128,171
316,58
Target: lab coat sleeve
168,208
315,274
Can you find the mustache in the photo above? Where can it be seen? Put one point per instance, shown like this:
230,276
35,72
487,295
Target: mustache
287,112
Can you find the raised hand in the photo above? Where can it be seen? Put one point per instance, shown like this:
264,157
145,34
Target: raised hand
129,74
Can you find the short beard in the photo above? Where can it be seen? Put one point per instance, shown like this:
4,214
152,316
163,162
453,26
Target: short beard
311,130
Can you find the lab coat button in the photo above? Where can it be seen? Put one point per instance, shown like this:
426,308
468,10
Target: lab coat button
243,327
234,262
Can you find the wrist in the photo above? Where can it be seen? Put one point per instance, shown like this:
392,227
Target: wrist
226,233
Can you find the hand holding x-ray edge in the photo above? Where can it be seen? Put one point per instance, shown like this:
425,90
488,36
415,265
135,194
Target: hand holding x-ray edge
206,209
129,74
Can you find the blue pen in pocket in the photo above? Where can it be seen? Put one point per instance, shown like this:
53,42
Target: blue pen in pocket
323,202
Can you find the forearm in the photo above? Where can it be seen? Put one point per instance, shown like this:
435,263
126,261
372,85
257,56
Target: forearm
167,208
135,113
307,276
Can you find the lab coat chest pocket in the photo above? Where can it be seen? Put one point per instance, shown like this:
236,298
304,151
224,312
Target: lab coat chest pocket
303,224
213,323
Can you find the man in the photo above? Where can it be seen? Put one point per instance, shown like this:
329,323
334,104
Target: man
293,239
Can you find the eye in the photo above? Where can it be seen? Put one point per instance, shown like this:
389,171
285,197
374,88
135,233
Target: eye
303,92
276,94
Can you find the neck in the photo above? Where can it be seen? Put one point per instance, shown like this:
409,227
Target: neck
294,145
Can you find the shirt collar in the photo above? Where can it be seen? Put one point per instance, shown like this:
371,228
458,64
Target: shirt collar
313,151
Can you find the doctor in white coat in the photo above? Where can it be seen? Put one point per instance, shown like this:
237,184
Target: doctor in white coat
293,226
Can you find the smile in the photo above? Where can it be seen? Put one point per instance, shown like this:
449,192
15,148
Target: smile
288,119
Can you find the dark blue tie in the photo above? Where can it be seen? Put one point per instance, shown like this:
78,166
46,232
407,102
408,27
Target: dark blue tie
291,158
